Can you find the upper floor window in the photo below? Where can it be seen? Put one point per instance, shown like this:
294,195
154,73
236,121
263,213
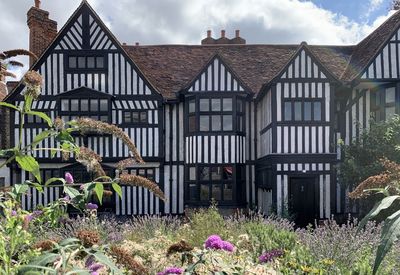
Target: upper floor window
303,110
383,103
89,62
222,114
93,108
135,117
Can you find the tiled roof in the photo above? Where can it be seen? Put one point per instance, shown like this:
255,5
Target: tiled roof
368,48
171,68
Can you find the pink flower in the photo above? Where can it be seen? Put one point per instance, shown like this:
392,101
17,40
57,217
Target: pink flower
215,242
13,213
68,178
171,270
212,239
227,246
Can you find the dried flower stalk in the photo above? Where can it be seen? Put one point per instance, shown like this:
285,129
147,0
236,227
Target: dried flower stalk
134,180
89,125
121,165
90,160
124,258
88,238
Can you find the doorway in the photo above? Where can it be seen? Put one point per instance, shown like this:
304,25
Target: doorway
303,200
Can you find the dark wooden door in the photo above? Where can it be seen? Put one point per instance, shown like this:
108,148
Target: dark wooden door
303,200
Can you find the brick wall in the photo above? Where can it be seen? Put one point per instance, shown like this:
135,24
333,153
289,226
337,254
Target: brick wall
42,30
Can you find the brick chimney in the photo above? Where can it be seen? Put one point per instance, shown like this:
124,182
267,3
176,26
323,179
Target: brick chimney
3,85
208,40
223,39
42,30
238,39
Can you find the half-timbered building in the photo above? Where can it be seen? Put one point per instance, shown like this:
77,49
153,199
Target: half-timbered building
250,126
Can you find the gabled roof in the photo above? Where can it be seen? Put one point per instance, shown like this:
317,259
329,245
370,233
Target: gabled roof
171,67
369,48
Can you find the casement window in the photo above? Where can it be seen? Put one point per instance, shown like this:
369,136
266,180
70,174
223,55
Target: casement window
303,110
93,108
383,103
214,182
135,117
30,119
86,62
219,114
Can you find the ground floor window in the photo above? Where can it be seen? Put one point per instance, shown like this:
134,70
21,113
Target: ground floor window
222,183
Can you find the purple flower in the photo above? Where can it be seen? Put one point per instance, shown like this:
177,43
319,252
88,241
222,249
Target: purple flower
93,266
81,187
91,206
28,218
13,213
171,270
227,246
270,255
212,239
68,178
37,213
66,198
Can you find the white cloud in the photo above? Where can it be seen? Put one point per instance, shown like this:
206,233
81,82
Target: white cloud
186,22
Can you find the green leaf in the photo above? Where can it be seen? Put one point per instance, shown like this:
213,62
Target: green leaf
390,234
99,189
28,102
69,241
45,259
42,116
29,164
50,181
38,186
379,206
117,188
20,188
43,135
71,192
8,105
105,260
64,135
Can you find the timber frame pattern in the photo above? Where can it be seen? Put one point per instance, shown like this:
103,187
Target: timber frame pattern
248,125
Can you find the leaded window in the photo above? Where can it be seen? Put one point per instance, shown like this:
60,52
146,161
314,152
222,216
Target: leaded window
303,110
94,108
383,103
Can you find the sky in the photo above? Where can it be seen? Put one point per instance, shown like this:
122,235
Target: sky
328,22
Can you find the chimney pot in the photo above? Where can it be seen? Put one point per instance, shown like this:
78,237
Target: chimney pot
124,44
37,4
237,33
137,44
209,34
222,33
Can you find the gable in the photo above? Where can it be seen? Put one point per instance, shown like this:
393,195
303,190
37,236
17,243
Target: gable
85,36
303,66
385,65
216,77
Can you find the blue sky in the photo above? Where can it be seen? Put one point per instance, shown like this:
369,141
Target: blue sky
358,10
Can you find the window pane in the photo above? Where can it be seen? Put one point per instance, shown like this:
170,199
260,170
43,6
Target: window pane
204,173
216,173
65,105
90,62
297,110
94,105
31,119
227,123
204,105
288,111
192,173
240,126
135,117
390,96
204,192
127,117
143,117
216,104
317,110
227,173
390,112
192,106
84,105
216,192
104,118
216,123
99,62
227,104
239,105
104,105
72,62
81,62
307,110
204,123
192,123
227,192
74,105
192,191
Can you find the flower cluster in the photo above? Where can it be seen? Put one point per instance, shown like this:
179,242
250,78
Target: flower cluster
87,125
33,81
91,206
88,238
93,267
181,246
123,257
171,270
68,178
121,165
215,242
134,180
270,255
90,160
